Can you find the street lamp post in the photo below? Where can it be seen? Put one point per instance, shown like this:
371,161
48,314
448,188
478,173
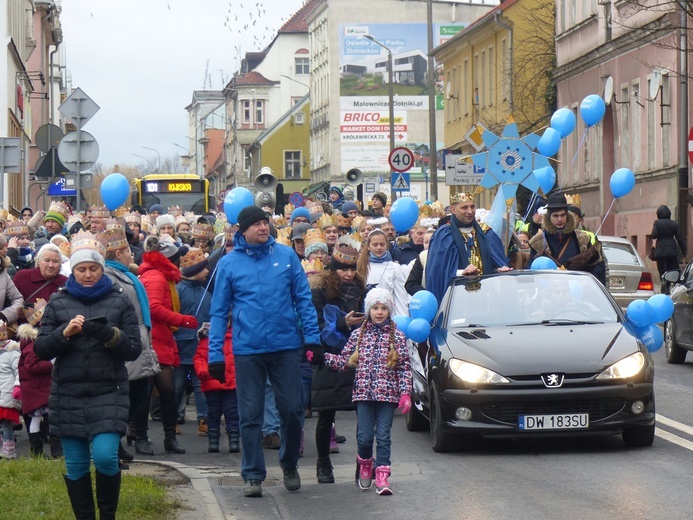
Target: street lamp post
157,153
187,156
391,103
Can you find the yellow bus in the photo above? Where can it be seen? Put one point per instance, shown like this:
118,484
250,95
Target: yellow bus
186,190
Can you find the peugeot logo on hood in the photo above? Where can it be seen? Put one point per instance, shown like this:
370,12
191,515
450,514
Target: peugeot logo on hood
553,380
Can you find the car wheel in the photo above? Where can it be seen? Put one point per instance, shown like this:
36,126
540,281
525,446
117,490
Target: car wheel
440,441
675,354
639,436
415,420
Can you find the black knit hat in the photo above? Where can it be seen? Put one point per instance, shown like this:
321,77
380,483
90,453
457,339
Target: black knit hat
249,216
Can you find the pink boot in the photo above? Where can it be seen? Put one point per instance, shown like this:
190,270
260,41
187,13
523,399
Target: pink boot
365,472
334,448
382,486
8,450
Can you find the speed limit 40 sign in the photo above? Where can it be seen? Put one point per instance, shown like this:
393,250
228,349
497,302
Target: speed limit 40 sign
401,159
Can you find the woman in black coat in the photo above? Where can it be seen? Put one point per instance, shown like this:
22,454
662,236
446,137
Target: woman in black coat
91,329
670,244
343,287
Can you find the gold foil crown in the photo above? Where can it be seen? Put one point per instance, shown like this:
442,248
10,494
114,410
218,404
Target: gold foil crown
326,221
312,266
65,248
462,196
574,200
17,229
115,239
193,257
60,207
288,209
175,211
34,314
87,240
3,213
117,224
313,236
120,212
99,212
203,231
133,217
343,222
346,250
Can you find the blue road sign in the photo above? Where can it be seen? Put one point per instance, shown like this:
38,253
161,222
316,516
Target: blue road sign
57,189
401,181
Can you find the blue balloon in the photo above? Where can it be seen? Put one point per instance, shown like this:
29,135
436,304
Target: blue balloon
651,336
563,120
622,182
549,143
402,323
115,189
592,109
639,312
404,214
662,307
419,330
543,262
423,305
235,201
546,177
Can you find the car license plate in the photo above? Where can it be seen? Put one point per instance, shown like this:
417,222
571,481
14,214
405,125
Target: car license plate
615,281
570,421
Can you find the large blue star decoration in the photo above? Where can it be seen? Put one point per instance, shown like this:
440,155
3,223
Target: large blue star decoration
510,161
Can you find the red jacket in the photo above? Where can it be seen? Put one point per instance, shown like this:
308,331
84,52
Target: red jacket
34,374
207,382
156,272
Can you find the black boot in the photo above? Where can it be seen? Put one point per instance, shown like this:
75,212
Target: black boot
36,445
81,497
131,434
56,447
107,493
170,442
143,446
124,454
234,441
324,471
213,438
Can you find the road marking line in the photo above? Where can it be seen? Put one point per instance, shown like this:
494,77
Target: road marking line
674,424
674,438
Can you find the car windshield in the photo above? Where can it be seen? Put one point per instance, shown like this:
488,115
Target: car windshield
550,298
617,253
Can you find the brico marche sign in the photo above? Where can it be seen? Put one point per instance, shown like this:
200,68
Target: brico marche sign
371,125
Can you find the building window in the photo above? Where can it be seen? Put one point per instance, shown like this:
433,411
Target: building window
292,165
259,111
246,112
302,66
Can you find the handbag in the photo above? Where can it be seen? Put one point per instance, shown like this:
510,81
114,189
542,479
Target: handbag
651,256
330,335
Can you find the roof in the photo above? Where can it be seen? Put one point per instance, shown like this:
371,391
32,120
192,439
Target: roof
298,106
253,78
297,23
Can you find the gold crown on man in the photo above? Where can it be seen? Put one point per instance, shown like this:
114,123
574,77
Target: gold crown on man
462,196
60,207
120,211
312,266
343,222
326,221
117,224
133,217
99,212
115,239
34,314
88,240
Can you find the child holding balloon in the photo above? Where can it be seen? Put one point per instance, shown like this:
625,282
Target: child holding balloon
382,383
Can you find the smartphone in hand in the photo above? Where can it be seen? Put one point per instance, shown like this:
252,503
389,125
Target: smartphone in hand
99,319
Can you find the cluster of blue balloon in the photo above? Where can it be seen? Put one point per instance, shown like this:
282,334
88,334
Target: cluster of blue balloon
422,308
643,315
404,214
235,201
115,190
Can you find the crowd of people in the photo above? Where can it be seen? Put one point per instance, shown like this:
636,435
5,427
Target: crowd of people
112,319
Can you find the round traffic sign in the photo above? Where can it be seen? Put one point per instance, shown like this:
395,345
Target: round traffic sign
690,145
78,149
401,159
48,136
296,199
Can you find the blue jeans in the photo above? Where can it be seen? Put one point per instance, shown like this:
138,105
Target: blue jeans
284,373
104,452
271,421
180,375
374,419
222,402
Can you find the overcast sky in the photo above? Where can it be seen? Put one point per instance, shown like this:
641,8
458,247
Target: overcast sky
141,60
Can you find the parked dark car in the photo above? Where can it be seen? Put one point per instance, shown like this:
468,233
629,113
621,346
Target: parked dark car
628,277
531,353
678,330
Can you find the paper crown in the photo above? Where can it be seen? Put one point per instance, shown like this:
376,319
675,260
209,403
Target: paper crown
115,239
175,211
99,212
312,237
312,266
326,221
16,229
180,219
315,211
117,224
133,217
3,331
87,240
120,211
58,206
74,218
65,249
3,213
346,250
574,200
34,314
462,196
357,221
288,209
193,257
203,231
343,222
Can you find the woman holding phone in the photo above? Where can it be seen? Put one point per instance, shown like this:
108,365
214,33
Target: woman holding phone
91,330
340,286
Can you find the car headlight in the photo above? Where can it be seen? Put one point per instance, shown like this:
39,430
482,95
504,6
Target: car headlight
471,373
625,368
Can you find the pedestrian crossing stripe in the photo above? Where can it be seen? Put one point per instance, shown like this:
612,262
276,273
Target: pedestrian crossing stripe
400,183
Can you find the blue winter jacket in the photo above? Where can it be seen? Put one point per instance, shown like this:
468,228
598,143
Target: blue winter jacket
267,288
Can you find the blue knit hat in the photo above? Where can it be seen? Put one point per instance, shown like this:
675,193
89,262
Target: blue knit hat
347,207
299,212
337,190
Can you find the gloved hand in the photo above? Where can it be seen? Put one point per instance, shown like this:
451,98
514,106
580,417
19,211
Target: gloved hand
316,357
404,403
99,331
189,322
218,371
17,393
313,347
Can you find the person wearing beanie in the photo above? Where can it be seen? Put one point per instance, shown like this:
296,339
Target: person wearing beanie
562,242
382,383
298,239
166,224
378,203
155,210
90,330
350,209
263,284
159,271
194,299
336,197
55,219
299,215
26,214
342,288
315,245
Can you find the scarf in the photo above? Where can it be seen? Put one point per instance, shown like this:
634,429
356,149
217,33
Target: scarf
139,290
25,256
88,294
387,257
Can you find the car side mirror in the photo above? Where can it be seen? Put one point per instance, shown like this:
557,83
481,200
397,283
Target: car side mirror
672,276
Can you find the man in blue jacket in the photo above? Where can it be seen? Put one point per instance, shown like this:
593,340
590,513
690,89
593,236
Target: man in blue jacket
264,285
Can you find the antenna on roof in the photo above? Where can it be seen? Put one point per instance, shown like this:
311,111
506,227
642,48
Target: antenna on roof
204,83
